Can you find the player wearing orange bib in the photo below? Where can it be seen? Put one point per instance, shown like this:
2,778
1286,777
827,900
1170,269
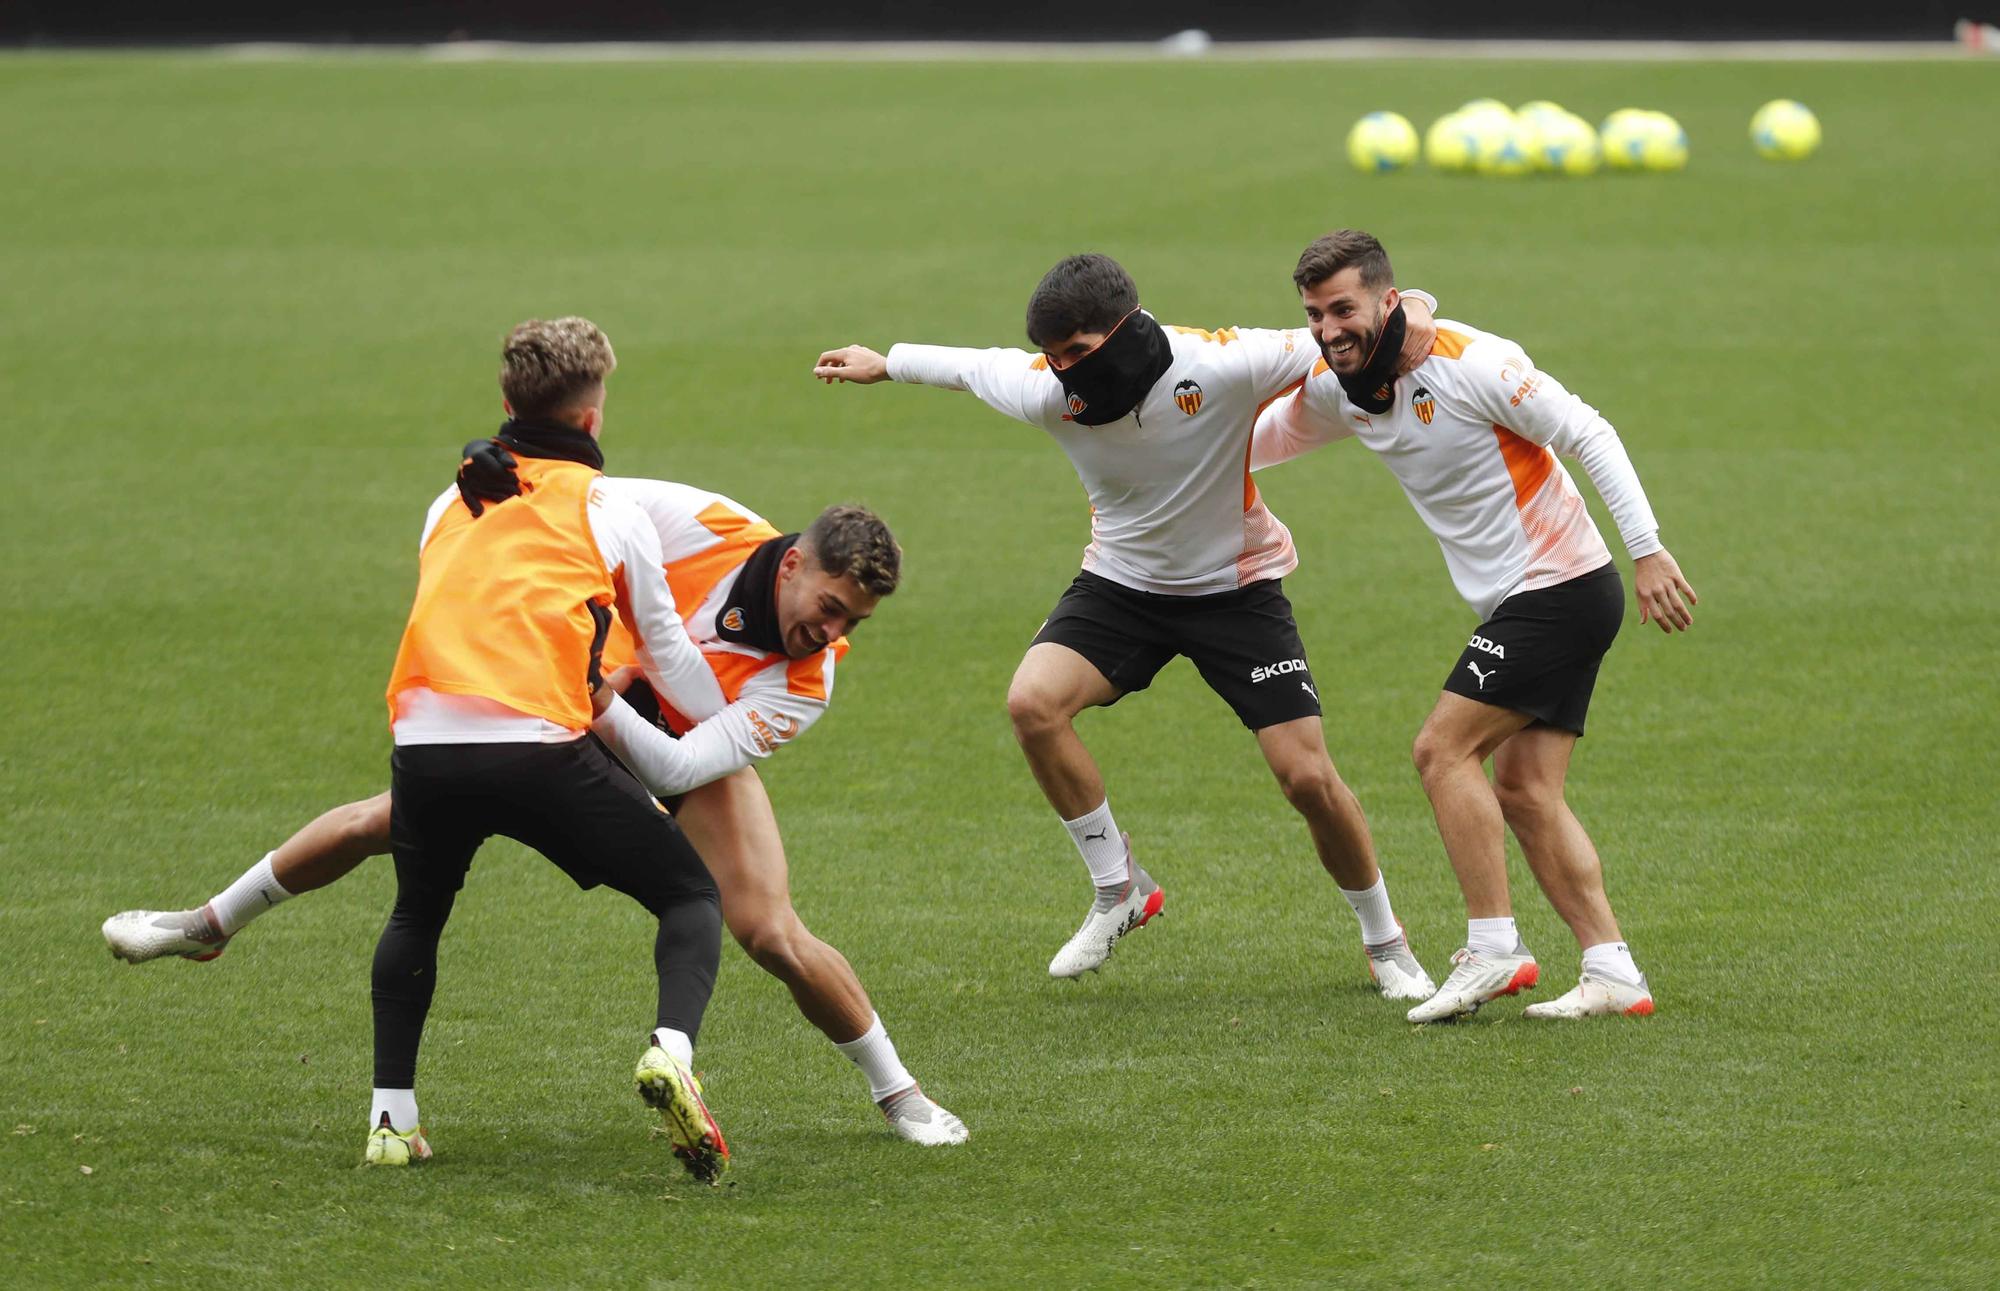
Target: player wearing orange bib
769,613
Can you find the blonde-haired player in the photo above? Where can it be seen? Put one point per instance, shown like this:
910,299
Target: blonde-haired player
1472,436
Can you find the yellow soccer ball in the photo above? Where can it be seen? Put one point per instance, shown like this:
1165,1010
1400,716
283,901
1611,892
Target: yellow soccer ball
1623,137
1448,145
1785,130
1566,145
1382,141
1666,144
1506,149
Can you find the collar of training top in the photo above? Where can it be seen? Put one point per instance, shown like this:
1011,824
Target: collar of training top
753,602
1109,382
1373,388
543,437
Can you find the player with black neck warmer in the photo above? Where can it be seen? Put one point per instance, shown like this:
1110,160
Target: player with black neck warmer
1184,559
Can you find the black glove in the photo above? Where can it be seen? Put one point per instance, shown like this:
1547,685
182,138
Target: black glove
486,474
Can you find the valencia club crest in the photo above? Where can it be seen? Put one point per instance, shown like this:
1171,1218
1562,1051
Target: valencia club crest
1187,397
1425,404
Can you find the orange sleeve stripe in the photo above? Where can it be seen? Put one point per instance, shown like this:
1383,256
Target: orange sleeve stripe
1320,367
1528,464
1040,363
807,677
1249,485
1449,344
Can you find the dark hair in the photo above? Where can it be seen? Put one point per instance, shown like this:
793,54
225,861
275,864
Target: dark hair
547,367
1088,293
853,540
1342,249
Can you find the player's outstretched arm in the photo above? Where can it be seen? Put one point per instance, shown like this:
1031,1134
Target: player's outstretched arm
853,364
1421,330
1664,594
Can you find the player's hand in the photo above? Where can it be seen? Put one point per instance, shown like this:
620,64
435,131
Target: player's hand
486,475
1664,596
1420,333
621,679
856,363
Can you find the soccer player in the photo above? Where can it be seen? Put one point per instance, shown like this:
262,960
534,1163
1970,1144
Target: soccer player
1184,559
491,701
770,613
1472,435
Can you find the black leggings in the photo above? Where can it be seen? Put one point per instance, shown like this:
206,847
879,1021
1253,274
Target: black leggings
574,804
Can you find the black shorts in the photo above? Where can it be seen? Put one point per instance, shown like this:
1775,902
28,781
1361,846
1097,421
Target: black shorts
1244,643
1539,652
572,802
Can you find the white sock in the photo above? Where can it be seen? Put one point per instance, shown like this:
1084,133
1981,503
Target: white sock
875,1054
401,1104
1371,907
1611,959
1492,936
676,1043
251,895
1096,836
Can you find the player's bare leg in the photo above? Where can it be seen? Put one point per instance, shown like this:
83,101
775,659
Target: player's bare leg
1529,771
1296,752
730,822
1450,753
323,852
1052,685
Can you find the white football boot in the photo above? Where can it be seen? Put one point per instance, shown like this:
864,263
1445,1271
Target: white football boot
916,1119
1396,973
1476,979
1597,997
1116,912
136,936
668,1086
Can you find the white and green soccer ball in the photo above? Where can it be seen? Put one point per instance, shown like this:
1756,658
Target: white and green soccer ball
1785,130
1382,142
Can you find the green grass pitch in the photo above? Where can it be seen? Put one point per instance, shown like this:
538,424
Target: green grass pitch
248,312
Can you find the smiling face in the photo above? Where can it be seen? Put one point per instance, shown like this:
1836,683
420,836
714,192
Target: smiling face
815,608
1346,318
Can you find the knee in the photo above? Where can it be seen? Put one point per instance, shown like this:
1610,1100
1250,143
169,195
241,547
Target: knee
1310,786
1524,802
1034,712
1431,754
776,944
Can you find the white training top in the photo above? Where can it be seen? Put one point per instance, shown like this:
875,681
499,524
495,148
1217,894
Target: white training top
1172,506
772,699
630,547
1470,438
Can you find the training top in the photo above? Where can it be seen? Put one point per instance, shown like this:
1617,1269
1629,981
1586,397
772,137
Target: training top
498,646
1173,509
1472,437
705,539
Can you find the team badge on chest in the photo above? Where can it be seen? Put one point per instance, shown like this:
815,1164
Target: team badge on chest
733,621
1425,404
1187,396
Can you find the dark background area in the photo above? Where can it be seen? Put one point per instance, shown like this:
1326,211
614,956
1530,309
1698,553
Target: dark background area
138,22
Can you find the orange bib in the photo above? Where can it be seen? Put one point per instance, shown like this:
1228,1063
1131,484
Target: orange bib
512,606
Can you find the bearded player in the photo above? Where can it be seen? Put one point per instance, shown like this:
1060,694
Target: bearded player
1472,436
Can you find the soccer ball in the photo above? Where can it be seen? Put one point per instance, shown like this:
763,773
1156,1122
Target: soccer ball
1623,137
1785,130
1506,149
1448,145
1382,141
1666,144
1566,145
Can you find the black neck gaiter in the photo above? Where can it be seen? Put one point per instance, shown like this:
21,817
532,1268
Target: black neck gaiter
1373,388
756,597
1109,382
542,437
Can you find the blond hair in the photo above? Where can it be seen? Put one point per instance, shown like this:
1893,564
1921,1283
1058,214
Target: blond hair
852,540
546,367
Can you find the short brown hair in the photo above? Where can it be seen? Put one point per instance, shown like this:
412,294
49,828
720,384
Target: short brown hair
547,367
853,540
1342,249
